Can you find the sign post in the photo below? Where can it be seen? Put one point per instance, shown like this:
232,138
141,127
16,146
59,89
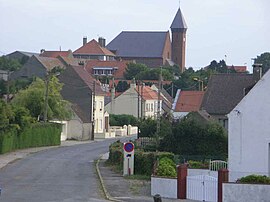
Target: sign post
128,159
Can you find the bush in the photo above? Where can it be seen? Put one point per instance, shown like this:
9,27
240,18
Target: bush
35,135
197,165
143,161
122,119
166,168
255,179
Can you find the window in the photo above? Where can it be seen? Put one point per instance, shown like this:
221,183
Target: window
101,105
152,107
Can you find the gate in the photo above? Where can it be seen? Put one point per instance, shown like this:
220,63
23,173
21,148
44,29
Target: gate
202,188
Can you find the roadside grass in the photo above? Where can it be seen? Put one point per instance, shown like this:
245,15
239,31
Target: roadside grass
101,190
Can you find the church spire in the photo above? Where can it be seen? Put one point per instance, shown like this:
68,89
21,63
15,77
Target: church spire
179,21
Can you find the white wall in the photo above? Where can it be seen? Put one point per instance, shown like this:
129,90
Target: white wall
126,103
249,132
245,192
165,187
99,115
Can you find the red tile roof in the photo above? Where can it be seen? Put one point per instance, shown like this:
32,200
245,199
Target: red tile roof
116,81
240,69
189,101
55,54
118,74
147,93
93,48
49,63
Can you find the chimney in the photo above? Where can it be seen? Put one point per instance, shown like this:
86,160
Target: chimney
84,40
257,72
102,41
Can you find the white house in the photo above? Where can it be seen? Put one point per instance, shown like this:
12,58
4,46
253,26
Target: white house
249,132
136,101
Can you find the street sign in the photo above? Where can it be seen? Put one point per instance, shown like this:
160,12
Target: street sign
128,165
129,147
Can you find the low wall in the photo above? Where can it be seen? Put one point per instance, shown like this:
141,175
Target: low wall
245,192
165,187
193,172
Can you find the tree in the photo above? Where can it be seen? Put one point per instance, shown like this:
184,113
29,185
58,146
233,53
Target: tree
33,99
133,70
264,59
9,64
6,115
193,138
122,86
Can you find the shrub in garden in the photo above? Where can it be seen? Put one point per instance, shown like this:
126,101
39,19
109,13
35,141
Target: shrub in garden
255,179
166,168
197,165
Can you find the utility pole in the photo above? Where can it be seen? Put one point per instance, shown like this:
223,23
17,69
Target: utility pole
94,110
47,80
138,99
142,101
158,110
8,90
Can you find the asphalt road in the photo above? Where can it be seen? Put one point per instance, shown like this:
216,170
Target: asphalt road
59,174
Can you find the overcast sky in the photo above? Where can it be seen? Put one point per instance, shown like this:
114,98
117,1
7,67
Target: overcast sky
239,29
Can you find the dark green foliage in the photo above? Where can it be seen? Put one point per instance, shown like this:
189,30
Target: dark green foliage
255,179
9,64
122,86
122,119
142,72
143,161
35,135
148,127
166,168
198,164
264,59
191,138
6,115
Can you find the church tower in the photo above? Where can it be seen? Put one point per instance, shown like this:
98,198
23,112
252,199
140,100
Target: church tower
179,29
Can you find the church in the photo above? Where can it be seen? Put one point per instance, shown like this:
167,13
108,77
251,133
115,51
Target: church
153,48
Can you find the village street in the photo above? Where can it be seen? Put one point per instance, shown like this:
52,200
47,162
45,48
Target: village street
57,174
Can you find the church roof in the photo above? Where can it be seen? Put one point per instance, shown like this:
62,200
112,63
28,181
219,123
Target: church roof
138,44
179,21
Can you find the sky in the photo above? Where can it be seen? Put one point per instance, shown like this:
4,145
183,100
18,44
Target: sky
233,30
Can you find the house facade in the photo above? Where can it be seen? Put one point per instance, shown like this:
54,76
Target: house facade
94,50
136,101
249,133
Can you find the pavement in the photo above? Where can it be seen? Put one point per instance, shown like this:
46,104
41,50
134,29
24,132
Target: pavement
114,185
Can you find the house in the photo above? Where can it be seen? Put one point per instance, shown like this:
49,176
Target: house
55,54
87,99
21,55
238,69
153,48
249,129
138,101
224,92
115,69
186,102
4,75
94,50
37,66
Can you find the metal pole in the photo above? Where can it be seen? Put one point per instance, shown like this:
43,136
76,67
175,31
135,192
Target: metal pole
47,79
94,110
7,100
142,101
138,100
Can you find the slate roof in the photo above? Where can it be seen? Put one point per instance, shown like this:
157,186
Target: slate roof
189,101
55,54
120,65
29,54
89,80
225,91
93,48
138,44
179,21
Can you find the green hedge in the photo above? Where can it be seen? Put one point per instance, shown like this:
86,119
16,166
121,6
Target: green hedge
143,161
36,135
255,179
